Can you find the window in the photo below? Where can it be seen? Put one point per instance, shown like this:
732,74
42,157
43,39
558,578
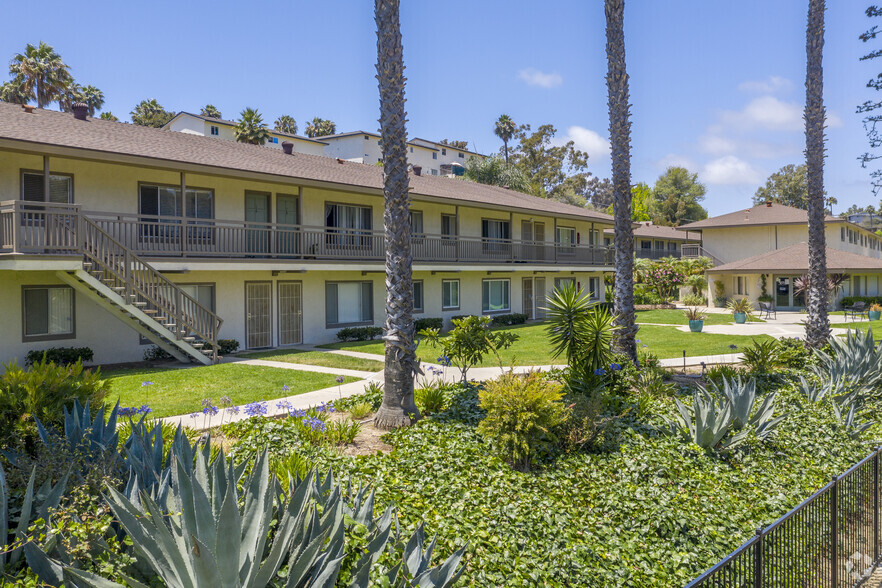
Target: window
741,285
594,288
416,223
495,296
566,236
434,155
449,294
448,226
842,234
607,241
350,225
672,246
411,149
495,229
366,138
418,296
461,155
47,313
443,151
561,283
60,187
349,303
166,201
214,130
272,140
660,245
434,172
645,245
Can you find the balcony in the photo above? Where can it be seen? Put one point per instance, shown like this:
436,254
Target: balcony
655,254
42,228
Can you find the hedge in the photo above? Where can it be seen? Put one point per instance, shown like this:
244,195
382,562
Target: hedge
850,300
60,355
359,333
428,323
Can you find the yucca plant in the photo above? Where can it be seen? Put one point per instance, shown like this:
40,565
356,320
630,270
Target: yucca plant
740,306
762,356
695,314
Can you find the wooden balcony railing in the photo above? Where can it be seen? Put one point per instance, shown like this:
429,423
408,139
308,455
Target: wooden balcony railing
39,228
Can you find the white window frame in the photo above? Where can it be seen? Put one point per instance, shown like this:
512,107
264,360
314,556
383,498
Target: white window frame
486,303
419,301
366,314
450,284
51,334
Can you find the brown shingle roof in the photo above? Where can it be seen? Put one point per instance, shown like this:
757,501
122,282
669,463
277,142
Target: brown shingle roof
56,129
652,231
795,259
764,214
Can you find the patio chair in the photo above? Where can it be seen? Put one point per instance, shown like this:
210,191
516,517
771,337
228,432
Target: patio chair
767,311
856,310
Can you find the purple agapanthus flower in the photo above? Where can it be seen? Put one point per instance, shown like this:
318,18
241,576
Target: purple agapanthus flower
144,409
285,387
340,379
599,372
284,405
316,424
256,408
233,410
127,411
615,367
194,415
210,410
298,413
147,383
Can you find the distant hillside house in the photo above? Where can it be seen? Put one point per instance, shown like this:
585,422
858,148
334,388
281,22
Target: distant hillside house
205,126
772,240
432,158
656,241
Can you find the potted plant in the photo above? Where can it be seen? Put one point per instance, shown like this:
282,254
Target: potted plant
696,318
740,308
875,312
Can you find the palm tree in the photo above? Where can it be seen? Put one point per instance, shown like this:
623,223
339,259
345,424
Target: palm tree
319,127
505,129
286,124
398,408
150,113
41,73
817,327
251,128
620,141
210,111
12,92
71,93
109,116
93,98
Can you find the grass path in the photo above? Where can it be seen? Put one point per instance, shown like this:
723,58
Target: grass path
677,317
180,391
532,348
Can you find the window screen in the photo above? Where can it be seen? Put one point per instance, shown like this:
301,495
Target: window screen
48,312
60,188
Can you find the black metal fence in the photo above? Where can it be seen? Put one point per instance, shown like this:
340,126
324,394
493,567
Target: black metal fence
831,540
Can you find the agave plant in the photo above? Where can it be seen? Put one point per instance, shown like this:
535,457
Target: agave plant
846,408
741,396
855,361
80,428
706,423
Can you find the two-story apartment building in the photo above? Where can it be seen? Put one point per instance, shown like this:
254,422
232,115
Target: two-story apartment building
367,148
115,236
653,241
771,240
206,126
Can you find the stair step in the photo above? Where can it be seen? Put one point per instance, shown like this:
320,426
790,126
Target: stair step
188,339
199,346
140,303
148,310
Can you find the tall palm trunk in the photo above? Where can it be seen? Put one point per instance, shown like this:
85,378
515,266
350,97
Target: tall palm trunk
505,145
398,408
818,324
620,142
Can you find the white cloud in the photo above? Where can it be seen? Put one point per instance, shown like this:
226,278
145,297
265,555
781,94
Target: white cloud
534,77
676,160
591,142
730,170
771,85
768,113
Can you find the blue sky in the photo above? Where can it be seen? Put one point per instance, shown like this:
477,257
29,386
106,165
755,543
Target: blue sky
715,86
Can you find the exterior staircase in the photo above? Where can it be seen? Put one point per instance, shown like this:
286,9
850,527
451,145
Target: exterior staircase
133,291
691,251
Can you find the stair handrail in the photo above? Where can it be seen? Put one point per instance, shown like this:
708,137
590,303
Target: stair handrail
702,252
174,308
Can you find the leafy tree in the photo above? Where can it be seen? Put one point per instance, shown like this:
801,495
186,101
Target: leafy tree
855,209
13,93
210,111
464,145
868,107
495,172
817,327
149,113
469,342
399,407
788,186
620,143
677,194
40,73
555,172
109,116
599,192
319,127
642,203
250,128
505,129
286,124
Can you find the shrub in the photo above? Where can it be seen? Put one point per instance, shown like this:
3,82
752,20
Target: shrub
644,296
360,410
694,300
428,323
850,300
793,354
44,390
225,346
342,432
761,357
156,353
372,395
359,333
740,305
469,342
430,398
522,413
60,355
504,320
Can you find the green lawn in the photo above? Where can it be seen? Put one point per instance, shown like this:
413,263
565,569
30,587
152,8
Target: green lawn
180,391
532,348
863,326
677,317
321,358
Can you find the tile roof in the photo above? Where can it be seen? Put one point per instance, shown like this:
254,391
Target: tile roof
649,230
764,214
795,259
234,123
47,128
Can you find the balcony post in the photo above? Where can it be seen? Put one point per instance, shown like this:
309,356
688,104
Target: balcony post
127,276
179,315
17,220
184,215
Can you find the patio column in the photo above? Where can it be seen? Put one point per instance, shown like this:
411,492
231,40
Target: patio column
46,178
183,213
